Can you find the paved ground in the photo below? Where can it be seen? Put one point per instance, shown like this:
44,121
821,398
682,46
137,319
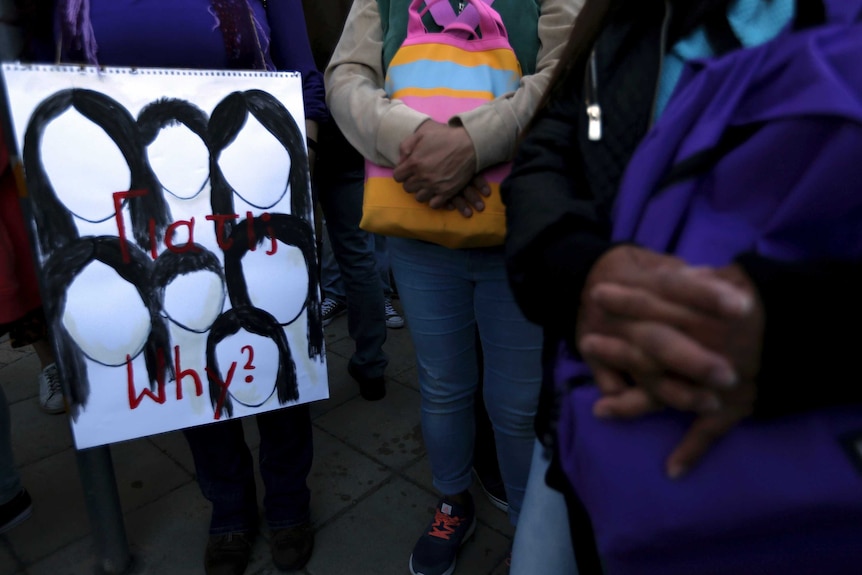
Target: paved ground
371,484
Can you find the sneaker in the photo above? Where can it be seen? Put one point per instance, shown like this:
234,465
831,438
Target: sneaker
437,548
15,511
51,390
393,318
228,554
331,309
492,486
291,547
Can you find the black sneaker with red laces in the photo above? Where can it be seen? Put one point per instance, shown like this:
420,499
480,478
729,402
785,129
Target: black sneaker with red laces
437,548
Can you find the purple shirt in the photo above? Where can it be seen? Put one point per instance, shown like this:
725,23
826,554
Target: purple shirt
185,34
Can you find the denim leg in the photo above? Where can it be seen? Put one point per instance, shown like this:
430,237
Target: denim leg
285,461
225,474
340,196
542,542
330,276
10,482
512,349
381,256
437,297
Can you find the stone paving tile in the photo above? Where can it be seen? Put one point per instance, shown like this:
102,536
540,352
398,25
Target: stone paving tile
169,535
77,558
36,434
144,473
20,378
9,564
386,430
340,476
174,446
59,516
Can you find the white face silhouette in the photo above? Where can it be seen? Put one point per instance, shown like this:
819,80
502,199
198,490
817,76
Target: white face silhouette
256,165
194,300
180,161
283,300
105,316
256,366
84,166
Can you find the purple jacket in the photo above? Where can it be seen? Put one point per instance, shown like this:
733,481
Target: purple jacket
185,34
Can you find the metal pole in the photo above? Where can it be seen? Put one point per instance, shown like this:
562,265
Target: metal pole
96,469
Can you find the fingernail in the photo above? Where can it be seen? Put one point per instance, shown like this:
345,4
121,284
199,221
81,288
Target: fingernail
723,377
676,470
480,206
486,191
736,302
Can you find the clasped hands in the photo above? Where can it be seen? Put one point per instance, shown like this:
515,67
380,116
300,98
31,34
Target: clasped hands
438,165
659,333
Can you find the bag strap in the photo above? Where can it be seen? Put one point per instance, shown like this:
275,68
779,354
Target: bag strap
479,15
444,14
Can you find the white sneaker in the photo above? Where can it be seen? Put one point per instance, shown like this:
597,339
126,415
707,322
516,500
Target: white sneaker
393,318
51,390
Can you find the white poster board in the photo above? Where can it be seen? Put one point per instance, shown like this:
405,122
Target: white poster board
175,241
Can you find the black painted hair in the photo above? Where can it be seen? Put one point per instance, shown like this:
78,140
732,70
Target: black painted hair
55,223
259,322
61,269
226,121
168,112
292,231
171,264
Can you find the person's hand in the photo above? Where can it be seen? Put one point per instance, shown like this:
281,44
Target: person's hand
690,336
437,162
633,294
471,199
691,341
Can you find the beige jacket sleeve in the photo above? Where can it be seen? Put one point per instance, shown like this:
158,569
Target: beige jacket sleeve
376,125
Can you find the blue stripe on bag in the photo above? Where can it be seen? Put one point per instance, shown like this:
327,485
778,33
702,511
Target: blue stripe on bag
428,74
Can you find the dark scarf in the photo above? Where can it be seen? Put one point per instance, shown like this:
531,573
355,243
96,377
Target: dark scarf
244,41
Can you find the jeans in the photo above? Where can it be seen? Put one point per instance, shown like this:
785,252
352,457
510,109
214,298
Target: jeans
333,286
330,276
446,295
339,192
542,542
10,483
225,471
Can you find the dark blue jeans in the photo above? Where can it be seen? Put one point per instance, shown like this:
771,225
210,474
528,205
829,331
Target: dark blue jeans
339,192
225,470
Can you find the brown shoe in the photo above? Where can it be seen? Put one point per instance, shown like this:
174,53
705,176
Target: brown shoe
291,547
228,554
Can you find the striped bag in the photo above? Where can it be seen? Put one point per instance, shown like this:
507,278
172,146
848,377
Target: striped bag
443,74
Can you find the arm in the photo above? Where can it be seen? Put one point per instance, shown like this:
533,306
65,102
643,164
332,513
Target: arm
291,50
371,122
496,127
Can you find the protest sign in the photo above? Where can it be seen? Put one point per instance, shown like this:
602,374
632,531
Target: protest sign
172,217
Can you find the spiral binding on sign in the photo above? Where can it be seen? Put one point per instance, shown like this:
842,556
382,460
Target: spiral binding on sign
116,70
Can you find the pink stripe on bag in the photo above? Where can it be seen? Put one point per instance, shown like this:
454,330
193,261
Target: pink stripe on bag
441,108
